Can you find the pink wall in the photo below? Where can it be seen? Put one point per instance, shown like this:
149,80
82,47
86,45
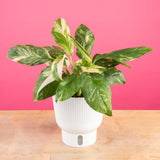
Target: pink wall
116,24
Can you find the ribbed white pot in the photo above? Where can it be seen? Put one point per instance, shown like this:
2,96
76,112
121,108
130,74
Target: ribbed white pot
78,121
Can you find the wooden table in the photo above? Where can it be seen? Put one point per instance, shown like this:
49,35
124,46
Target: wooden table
34,135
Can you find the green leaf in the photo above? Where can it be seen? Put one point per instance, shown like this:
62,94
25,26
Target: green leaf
84,53
95,57
114,76
86,38
68,87
97,93
54,51
64,75
29,55
45,86
83,66
127,54
107,61
57,67
61,35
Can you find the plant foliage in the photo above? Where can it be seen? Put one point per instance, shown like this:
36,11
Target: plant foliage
88,78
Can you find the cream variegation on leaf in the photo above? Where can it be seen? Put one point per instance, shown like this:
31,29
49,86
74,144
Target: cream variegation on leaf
46,85
57,66
61,35
97,92
83,52
86,38
114,58
29,55
114,76
83,66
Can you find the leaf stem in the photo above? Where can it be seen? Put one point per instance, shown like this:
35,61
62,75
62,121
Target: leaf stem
79,92
71,61
86,55
67,70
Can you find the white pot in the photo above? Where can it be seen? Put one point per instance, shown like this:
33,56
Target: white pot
78,121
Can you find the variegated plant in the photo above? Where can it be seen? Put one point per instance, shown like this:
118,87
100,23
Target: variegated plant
89,78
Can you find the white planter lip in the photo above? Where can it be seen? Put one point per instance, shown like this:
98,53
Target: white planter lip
70,98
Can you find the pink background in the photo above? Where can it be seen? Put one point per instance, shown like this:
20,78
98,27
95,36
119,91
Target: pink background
116,24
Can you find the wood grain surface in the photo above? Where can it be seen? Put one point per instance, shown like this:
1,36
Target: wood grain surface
34,135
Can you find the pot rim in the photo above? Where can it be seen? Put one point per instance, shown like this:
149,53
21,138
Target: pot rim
71,98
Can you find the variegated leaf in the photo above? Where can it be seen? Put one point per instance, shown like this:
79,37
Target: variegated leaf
29,55
85,37
97,93
92,69
57,67
54,51
129,54
84,66
108,62
68,87
46,85
66,61
124,55
61,35
84,53
114,76
94,59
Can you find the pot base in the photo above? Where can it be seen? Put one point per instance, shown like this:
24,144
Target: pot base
79,140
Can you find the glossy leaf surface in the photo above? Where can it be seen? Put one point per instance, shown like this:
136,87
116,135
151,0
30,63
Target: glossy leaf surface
68,87
57,67
29,55
127,54
114,76
45,86
61,35
84,53
107,61
84,66
54,51
97,93
85,37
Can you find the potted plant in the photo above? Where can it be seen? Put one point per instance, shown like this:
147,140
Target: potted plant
82,94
